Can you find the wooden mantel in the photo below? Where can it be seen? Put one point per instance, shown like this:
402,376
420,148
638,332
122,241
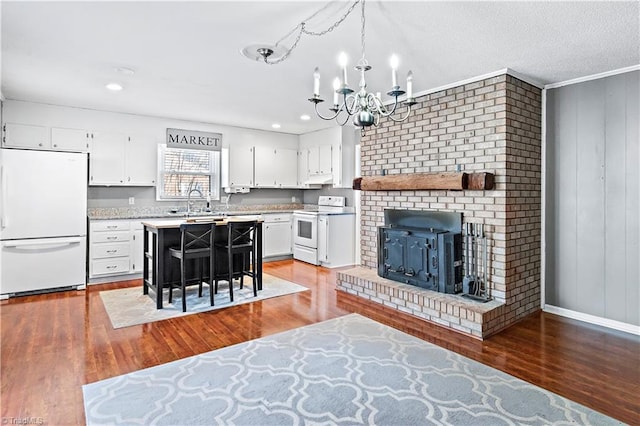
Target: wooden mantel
455,181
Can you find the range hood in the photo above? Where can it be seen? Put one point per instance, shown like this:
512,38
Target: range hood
319,180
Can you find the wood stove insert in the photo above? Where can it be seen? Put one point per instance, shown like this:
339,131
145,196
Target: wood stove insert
422,248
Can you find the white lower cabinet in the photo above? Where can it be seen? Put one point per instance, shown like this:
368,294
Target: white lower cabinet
137,247
336,240
276,235
115,248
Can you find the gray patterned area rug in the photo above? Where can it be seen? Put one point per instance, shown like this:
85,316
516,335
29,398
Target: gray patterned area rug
128,306
350,370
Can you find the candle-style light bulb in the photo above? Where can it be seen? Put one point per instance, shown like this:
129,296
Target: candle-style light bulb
394,70
316,82
342,61
336,86
409,85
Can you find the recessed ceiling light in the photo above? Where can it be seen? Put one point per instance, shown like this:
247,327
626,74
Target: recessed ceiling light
305,117
275,126
116,87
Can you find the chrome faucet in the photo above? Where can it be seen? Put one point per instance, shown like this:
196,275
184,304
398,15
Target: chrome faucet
191,191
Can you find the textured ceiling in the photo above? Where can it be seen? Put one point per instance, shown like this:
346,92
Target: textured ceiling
187,61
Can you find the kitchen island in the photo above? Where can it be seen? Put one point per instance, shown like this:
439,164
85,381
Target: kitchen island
160,235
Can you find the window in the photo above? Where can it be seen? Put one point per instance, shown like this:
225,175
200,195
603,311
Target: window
181,170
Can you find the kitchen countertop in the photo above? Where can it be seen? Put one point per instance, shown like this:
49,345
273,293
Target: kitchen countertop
165,212
219,220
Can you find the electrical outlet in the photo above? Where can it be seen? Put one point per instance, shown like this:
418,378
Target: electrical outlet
293,198
132,201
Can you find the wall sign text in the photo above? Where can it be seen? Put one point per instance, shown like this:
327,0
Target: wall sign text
192,139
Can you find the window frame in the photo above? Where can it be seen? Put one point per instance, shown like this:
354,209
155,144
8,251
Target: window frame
214,174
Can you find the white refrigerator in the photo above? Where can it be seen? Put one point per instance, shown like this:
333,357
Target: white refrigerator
43,220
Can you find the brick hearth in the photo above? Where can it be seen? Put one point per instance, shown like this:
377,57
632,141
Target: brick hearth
448,310
491,125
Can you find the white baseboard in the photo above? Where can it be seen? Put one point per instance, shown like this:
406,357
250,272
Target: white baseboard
592,319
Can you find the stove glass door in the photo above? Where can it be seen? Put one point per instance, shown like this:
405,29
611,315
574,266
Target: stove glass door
305,230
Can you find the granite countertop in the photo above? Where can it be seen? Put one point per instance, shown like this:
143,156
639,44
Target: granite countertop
166,212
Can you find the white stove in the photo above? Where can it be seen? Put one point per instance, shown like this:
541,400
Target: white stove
330,214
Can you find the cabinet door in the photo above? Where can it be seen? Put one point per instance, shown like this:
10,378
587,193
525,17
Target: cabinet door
313,160
286,167
106,158
277,238
240,166
323,239
319,160
76,140
324,160
137,248
265,167
25,136
303,167
141,159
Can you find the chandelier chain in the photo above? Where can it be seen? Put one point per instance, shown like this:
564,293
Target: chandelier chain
303,30
335,24
362,32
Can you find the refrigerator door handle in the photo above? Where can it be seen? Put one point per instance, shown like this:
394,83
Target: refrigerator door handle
3,201
40,244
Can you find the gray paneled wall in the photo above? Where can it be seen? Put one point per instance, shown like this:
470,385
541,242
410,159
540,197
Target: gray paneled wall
592,190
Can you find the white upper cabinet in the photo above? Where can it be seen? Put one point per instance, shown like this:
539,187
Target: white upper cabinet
140,162
29,136
106,159
24,136
330,157
119,160
320,161
286,168
275,167
240,166
344,158
76,140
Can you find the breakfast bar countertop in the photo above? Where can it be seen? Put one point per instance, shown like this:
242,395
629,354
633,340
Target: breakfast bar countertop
219,220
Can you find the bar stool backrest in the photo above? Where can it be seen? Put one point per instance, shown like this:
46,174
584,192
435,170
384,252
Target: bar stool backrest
196,236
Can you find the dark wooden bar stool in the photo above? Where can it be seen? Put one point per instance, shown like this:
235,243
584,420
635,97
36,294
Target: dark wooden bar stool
196,243
240,247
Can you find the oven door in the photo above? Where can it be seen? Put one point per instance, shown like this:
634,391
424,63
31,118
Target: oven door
305,230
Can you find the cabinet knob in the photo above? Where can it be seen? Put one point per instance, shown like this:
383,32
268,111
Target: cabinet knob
39,144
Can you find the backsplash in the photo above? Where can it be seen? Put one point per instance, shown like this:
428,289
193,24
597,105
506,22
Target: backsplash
159,211
145,197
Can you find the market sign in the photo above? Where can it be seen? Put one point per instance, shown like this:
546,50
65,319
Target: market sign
191,139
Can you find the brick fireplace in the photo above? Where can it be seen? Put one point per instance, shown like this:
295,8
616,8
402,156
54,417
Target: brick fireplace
492,125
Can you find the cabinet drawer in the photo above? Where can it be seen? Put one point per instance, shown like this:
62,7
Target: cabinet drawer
109,237
99,251
270,218
110,266
110,225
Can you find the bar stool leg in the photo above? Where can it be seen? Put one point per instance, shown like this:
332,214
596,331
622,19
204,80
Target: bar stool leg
183,285
231,275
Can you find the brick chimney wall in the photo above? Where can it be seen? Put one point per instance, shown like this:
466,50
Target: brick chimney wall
492,125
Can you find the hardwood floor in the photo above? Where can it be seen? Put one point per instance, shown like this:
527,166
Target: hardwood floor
53,344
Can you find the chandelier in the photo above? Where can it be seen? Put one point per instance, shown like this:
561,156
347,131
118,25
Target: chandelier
365,107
